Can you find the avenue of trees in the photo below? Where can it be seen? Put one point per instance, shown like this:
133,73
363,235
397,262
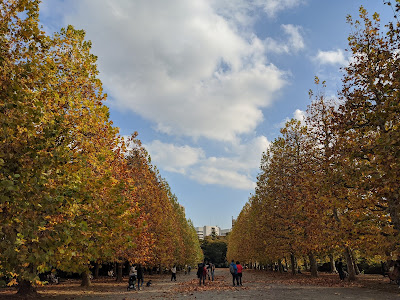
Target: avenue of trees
73,193
329,187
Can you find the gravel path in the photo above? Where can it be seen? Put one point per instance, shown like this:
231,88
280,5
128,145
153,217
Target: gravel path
256,285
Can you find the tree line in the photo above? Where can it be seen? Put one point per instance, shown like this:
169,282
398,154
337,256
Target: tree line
73,192
328,186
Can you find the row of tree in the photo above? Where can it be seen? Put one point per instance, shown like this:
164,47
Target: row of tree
329,185
72,191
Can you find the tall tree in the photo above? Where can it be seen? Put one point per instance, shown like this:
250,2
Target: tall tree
370,115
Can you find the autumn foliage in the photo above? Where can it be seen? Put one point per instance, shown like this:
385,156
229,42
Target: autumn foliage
72,191
328,186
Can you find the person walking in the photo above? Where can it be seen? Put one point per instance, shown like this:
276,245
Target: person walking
200,270
239,273
140,277
173,275
233,269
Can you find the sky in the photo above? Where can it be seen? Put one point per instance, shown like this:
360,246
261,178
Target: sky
208,84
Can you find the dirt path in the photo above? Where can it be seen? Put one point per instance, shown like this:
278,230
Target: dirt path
256,285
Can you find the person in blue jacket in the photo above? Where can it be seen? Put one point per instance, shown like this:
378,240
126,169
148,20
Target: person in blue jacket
233,269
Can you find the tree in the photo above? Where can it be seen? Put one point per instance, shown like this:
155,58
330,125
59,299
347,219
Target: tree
214,249
57,150
370,114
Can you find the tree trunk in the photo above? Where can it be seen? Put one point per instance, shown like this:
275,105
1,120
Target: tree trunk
96,271
119,272
280,267
313,265
394,211
293,263
332,264
25,288
350,265
356,269
86,279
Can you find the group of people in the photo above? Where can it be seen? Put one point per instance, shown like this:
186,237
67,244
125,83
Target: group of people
136,273
236,270
205,271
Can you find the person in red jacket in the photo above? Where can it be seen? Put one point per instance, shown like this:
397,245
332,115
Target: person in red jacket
239,273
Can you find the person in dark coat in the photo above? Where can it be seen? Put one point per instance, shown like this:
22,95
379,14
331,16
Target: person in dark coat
200,271
140,277
340,270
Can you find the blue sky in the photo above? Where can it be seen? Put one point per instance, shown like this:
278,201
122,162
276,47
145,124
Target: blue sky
208,83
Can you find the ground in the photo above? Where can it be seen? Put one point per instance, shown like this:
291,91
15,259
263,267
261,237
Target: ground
256,285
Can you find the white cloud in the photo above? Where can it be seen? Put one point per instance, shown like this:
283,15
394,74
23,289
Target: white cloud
295,37
174,158
182,64
335,57
297,115
233,170
293,43
272,7
211,175
245,12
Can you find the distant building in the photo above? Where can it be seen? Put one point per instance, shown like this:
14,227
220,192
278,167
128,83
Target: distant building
224,232
204,231
200,233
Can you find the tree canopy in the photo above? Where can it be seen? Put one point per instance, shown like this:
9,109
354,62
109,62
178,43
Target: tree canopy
329,185
72,191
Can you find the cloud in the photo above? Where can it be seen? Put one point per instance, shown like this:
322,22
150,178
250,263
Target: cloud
297,115
212,175
174,158
183,65
295,38
293,43
234,170
272,7
245,12
336,57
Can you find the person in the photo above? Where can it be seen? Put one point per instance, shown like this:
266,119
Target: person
340,269
200,268
207,267
133,271
132,277
239,273
140,277
212,270
173,275
189,269
233,270
205,273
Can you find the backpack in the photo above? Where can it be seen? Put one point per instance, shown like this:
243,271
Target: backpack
231,269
